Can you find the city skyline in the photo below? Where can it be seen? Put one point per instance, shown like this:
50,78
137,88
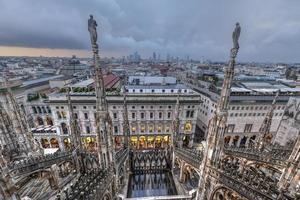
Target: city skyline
200,30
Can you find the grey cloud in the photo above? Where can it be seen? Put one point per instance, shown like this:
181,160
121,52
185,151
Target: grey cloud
199,28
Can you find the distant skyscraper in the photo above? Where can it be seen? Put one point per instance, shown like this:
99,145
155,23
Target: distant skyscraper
154,56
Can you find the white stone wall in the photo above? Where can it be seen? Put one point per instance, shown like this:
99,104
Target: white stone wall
240,114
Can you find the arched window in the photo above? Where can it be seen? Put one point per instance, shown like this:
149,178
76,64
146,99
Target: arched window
34,110
39,109
44,110
48,109
49,121
40,121
64,128
58,114
54,143
45,143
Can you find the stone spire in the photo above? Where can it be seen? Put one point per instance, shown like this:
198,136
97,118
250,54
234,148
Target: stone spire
265,135
75,132
20,124
217,125
288,181
103,121
74,127
175,136
126,130
10,148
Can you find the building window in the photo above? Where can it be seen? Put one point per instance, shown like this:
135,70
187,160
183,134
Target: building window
248,128
86,116
88,130
34,110
133,90
84,107
159,128
115,129
169,115
76,115
160,115
115,115
150,128
133,107
141,90
187,114
133,115
230,128
163,91
142,115
192,114
167,129
39,109
63,114
133,129
74,107
172,91
64,128
49,110
152,91
142,128
58,114
151,115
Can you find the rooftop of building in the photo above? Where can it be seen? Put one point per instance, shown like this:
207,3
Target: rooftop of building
110,81
151,80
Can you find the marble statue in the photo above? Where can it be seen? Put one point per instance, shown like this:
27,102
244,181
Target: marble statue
92,27
235,36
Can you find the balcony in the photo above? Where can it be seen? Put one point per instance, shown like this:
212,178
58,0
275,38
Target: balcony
274,156
191,156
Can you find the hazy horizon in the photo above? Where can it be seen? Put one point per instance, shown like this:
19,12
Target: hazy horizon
198,29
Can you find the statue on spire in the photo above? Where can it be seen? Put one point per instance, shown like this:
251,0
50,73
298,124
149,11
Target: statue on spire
92,27
235,39
236,35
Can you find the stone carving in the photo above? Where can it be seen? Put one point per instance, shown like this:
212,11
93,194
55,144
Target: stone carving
235,36
92,27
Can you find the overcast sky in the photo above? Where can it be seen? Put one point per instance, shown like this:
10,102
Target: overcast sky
199,28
